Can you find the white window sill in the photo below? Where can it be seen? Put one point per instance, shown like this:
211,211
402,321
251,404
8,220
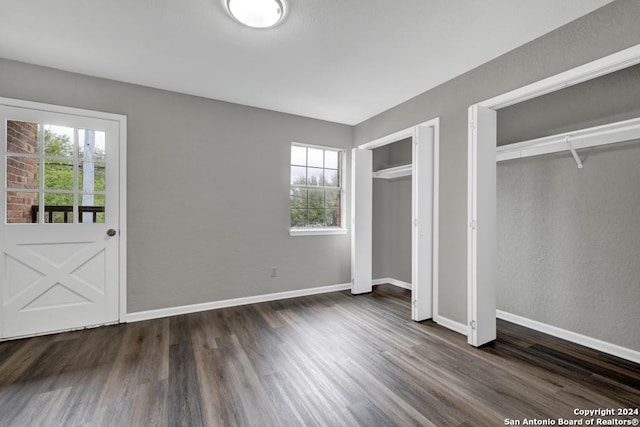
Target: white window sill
316,231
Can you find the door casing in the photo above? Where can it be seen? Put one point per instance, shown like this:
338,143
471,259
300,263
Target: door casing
425,214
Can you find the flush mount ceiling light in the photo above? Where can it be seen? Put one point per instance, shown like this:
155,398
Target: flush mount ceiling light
256,13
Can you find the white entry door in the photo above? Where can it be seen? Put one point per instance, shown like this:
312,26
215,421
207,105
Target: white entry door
60,228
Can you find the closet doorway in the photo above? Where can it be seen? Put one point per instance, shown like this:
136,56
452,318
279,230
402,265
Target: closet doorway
481,189
423,169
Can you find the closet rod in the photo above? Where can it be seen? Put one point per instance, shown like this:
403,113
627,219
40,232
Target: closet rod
573,151
610,133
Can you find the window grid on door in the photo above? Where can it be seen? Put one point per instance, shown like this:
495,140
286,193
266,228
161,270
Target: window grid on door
54,174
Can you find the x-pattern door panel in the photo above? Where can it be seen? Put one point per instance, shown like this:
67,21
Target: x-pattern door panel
64,278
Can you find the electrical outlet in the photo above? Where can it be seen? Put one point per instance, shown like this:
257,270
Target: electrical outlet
274,271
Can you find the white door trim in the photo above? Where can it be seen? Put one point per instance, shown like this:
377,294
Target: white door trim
481,207
361,221
478,186
122,215
423,210
411,132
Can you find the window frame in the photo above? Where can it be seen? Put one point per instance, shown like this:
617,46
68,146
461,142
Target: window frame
324,230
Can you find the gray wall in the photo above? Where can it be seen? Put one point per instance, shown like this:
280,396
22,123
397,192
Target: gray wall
605,31
382,229
392,229
208,190
569,242
395,154
569,238
400,248
610,98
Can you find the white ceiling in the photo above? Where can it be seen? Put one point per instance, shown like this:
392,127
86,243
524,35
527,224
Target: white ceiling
342,61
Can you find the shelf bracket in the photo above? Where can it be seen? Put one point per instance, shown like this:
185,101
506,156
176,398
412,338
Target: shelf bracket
573,152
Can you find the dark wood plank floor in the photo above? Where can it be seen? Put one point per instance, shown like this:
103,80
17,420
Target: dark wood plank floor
331,359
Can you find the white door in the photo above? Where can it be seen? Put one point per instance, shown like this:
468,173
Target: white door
59,234
361,220
481,265
422,236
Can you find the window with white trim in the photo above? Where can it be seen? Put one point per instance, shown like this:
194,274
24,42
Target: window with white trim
316,188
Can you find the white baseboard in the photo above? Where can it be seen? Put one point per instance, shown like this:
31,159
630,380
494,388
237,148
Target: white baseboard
460,328
194,308
390,281
596,344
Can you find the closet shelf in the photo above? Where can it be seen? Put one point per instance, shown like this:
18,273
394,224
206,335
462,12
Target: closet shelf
610,133
395,172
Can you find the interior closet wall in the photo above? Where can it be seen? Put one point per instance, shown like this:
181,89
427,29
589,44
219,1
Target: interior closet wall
392,214
569,238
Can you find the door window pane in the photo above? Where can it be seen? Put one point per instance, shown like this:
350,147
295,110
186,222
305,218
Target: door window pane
58,208
58,174
22,137
91,144
66,164
91,208
22,172
22,207
91,176
58,141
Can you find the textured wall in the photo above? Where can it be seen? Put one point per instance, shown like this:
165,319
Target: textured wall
400,253
208,190
392,229
605,31
569,241
395,154
382,229
610,98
